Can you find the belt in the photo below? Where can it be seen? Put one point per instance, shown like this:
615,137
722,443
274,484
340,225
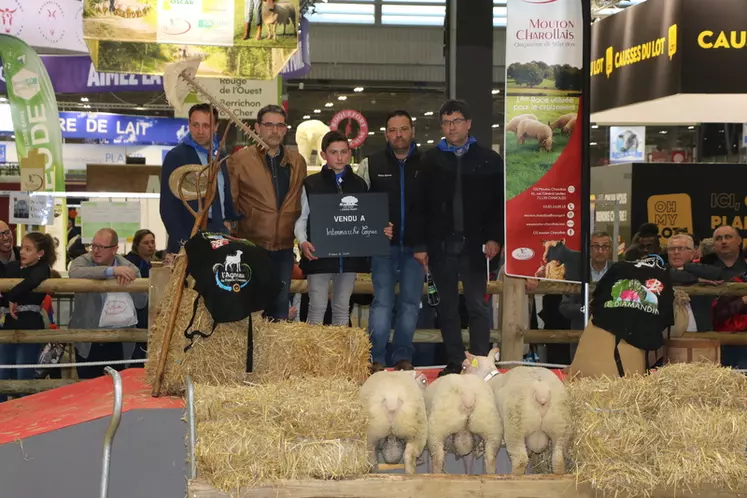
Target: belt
34,308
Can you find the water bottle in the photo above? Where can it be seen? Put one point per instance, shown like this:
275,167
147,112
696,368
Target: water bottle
433,297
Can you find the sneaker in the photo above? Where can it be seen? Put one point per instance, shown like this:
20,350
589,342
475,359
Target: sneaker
451,368
403,365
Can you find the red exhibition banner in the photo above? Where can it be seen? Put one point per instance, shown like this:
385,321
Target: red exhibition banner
544,60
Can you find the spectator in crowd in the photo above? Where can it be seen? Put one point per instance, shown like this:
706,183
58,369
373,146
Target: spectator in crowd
266,187
727,257
195,148
395,171
600,260
336,176
8,251
647,238
459,223
21,306
142,254
705,248
103,263
681,251
730,315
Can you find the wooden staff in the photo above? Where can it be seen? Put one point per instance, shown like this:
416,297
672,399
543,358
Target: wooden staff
200,216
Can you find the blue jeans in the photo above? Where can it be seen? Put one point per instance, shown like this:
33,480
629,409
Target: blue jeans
386,271
283,261
18,354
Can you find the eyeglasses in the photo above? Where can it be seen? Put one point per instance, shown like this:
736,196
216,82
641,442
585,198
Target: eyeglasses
600,248
6,234
98,247
678,249
446,123
277,126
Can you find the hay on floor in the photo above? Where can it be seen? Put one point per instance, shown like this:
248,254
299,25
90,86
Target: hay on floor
297,428
284,350
682,427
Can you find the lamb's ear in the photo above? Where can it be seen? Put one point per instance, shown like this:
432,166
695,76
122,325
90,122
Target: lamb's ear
494,355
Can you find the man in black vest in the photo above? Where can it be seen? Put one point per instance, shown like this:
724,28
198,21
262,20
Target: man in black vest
394,171
459,224
335,177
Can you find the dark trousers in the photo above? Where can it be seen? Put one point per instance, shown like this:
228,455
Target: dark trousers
100,351
447,271
283,261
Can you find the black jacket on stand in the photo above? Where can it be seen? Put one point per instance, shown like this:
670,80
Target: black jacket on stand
324,183
483,202
400,180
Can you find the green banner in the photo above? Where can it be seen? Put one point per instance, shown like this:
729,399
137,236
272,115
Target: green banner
34,108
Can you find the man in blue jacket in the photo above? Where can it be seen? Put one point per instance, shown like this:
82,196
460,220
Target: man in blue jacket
194,148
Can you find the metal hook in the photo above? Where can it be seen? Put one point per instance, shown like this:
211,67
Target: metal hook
192,427
111,430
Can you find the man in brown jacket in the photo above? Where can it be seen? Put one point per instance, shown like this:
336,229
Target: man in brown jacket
266,188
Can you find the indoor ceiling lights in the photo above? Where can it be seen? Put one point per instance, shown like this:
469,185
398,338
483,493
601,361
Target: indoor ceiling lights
84,99
429,113
306,116
358,89
317,111
328,104
342,97
495,91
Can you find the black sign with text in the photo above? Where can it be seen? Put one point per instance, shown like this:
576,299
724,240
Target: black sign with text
635,56
349,225
660,48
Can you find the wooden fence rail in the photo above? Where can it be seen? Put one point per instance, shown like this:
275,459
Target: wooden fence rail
513,334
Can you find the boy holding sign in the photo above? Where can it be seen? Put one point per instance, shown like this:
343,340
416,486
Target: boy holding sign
335,177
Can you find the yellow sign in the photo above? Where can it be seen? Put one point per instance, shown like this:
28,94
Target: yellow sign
734,39
670,212
644,51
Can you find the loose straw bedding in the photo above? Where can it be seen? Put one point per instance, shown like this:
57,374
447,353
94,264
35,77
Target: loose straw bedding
680,428
298,428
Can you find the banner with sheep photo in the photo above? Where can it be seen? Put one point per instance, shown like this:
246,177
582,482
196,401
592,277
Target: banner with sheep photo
544,57
251,39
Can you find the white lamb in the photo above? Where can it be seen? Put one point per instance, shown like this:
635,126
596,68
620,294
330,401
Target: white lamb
397,424
533,404
461,409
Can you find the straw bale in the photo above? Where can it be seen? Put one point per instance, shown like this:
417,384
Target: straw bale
296,428
683,426
705,446
283,350
219,359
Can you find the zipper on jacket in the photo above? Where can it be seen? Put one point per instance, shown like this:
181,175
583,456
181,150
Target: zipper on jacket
402,204
339,191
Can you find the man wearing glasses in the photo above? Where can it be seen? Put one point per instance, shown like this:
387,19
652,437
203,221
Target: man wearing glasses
195,148
101,263
8,252
600,259
459,227
266,187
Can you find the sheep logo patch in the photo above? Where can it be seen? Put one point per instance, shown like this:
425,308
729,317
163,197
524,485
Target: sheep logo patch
233,274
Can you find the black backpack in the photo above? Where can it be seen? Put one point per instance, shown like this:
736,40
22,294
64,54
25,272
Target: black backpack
234,278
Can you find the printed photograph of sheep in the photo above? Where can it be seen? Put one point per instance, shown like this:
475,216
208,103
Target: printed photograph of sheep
133,20
263,23
226,23
541,107
150,58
